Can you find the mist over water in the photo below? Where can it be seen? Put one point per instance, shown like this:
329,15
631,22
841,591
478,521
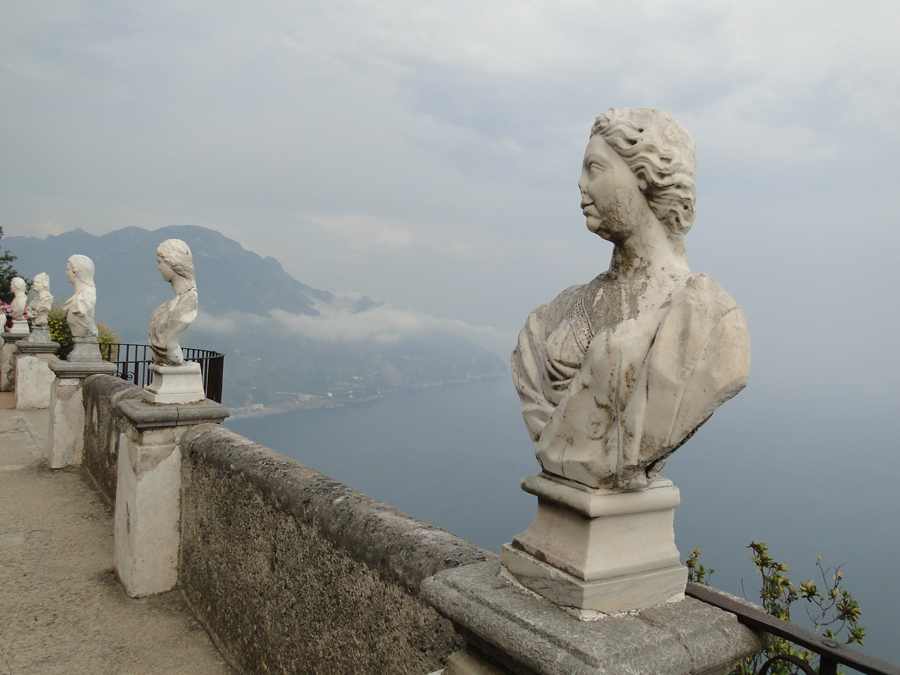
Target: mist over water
807,477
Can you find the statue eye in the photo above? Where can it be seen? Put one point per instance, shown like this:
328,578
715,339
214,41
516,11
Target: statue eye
596,167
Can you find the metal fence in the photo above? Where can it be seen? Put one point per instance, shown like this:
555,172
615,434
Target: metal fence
133,360
831,653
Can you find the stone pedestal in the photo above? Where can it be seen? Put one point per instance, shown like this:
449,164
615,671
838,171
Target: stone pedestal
148,492
8,358
599,551
67,410
175,384
509,629
20,326
40,334
34,379
85,350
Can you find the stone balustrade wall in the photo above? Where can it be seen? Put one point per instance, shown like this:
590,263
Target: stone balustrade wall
102,424
290,570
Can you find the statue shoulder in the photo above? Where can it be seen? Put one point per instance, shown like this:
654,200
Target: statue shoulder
553,312
706,298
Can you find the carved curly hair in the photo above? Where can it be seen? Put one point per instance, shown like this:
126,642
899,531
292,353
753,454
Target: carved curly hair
177,255
661,152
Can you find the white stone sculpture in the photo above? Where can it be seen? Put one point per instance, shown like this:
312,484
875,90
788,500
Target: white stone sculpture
40,307
79,309
20,292
174,380
172,318
616,374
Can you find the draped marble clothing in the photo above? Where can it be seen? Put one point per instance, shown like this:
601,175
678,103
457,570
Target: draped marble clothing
168,323
606,402
79,312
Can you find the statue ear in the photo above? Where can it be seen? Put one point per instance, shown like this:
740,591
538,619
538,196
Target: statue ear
642,184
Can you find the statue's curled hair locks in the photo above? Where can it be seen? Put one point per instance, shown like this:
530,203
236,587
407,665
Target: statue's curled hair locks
660,151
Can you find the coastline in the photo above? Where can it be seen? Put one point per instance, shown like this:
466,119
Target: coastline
313,402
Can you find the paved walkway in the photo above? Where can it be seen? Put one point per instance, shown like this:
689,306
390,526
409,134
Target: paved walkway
62,611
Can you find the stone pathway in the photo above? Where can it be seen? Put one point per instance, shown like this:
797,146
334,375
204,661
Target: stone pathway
62,610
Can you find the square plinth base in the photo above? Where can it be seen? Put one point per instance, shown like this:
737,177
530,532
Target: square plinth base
585,599
598,550
175,384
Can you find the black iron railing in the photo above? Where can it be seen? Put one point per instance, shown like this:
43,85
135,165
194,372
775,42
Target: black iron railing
133,361
831,652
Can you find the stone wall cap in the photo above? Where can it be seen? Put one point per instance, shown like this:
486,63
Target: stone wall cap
529,634
64,369
15,337
27,347
144,415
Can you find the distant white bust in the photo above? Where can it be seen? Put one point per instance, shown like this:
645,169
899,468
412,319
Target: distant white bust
79,309
17,285
616,374
41,305
172,318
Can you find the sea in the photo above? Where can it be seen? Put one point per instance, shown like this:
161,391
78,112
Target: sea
803,475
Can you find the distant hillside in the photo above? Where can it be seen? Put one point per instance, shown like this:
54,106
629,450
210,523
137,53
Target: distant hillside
280,350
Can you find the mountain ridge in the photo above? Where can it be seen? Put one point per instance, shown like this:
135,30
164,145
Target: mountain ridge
246,303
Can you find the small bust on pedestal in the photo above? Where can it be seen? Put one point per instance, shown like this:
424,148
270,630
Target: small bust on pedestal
174,379
20,324
79,310
39,308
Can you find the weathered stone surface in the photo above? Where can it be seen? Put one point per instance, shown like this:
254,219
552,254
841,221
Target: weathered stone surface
8,351
34,379
515,629
295,572
62,611
142,414
172,318
79,308
148,502
40,307
616,374
599,550
67,410
175,384
20,293
101,394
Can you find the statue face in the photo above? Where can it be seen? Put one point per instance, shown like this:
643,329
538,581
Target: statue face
167,273
70,273
611,198
38,285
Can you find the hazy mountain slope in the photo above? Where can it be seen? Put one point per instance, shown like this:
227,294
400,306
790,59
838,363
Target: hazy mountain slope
283,340
229,277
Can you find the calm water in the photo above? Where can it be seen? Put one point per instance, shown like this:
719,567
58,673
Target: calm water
808,481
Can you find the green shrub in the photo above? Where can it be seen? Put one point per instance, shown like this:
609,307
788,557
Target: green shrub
59,332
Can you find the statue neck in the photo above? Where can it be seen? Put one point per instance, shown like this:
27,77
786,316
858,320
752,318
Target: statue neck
182,285
647,251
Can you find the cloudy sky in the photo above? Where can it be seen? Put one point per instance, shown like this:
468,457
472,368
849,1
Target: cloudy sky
427,153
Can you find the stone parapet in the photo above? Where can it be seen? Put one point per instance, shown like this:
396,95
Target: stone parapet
509,629
8,351
148,491
67,410
34,378
292,571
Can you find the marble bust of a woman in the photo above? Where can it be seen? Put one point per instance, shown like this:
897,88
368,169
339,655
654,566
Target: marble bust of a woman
172,318
43,302
20,297
615,374
79,309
